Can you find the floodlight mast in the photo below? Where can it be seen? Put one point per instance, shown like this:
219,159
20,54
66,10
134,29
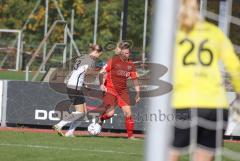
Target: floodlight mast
45,31
157,134
145,32
95,22
124,20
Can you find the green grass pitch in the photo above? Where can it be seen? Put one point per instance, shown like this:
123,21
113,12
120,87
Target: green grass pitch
25,146
21,146
17,75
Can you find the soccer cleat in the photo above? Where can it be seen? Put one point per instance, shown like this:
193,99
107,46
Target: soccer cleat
69,135
133,138
58,130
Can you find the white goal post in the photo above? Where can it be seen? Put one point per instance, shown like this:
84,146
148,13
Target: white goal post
158,132
18,54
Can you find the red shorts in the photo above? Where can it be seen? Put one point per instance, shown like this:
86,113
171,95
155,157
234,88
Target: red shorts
120,98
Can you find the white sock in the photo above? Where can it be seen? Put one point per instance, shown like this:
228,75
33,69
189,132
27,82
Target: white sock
70,118
72,127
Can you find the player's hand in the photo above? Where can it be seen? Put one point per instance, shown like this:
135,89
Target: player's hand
235,109
103,88
137,98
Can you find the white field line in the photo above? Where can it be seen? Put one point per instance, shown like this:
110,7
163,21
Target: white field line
65,148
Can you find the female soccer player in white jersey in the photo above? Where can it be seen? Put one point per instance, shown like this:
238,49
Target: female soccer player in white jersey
198,86
74,83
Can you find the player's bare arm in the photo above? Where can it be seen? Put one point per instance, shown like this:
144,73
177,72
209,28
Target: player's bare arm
137,89
102,78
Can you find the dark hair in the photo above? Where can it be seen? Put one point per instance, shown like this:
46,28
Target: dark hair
95,47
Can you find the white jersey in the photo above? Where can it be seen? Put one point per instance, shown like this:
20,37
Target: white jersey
77,78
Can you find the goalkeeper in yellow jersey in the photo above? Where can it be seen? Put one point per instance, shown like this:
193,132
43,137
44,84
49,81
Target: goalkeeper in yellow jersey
199,97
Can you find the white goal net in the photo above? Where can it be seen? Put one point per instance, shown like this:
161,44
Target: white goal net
10,49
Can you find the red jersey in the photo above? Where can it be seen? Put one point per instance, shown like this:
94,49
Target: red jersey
118,72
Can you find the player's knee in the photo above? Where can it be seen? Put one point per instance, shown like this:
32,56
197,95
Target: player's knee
110,111
127,113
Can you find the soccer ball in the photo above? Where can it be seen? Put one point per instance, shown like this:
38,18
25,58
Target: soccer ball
94,129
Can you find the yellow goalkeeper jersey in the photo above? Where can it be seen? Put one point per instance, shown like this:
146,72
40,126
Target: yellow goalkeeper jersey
197,78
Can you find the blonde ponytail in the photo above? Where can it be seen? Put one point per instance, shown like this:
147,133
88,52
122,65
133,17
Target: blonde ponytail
189,14
120,46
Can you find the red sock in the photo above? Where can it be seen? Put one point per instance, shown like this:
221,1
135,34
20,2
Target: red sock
129,126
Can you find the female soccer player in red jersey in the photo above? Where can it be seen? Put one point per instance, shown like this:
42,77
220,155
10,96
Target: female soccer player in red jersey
114,83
